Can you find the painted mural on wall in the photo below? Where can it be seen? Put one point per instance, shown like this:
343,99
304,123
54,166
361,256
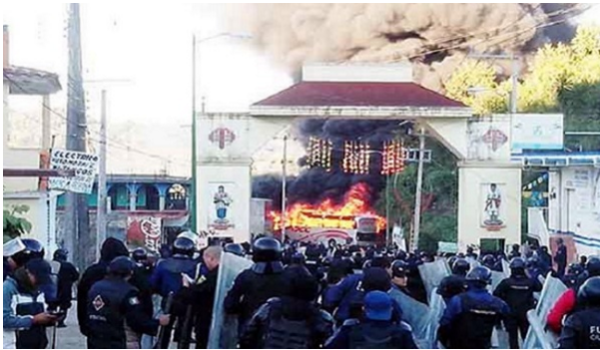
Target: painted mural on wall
144,231
222,216
493,206
488,139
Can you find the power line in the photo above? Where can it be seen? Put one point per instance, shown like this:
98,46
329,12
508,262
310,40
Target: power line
110,142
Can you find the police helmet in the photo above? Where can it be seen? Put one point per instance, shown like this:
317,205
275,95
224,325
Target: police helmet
488,260
590,291
367,264
461,267
399,268
234,248
139,254
121,266
575,269
266,249
183,246
480,274
33,249
452,260
593,266
517,264
401,255
533,262
60,254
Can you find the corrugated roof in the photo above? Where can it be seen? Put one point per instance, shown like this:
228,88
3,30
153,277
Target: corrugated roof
358,94
30,81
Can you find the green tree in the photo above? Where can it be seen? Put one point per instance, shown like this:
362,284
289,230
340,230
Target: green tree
14,224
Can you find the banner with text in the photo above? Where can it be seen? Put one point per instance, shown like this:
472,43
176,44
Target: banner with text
85,166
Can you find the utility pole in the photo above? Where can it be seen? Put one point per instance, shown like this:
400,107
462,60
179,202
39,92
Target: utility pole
102,195
417,218
76,235
283,189
193,185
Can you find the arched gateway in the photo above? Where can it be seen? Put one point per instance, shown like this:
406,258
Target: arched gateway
489,183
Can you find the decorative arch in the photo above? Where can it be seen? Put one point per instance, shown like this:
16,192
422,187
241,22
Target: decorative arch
119,196
148,197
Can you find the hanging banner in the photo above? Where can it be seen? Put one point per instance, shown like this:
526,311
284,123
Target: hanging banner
85,166
144,232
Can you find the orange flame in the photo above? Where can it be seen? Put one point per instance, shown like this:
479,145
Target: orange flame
327,214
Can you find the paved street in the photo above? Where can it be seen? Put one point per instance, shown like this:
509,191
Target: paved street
70,337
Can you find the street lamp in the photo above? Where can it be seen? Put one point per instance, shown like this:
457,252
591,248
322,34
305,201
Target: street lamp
196,41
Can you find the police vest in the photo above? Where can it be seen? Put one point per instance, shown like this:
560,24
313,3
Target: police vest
368,336
30,305
106,320
283,333
474,326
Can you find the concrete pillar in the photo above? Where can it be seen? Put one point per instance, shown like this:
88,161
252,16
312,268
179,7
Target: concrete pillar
162,195
132,188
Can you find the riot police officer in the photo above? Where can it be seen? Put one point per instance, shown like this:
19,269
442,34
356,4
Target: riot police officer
67,276
581,329
470,317
517,291
256,285
166,277
454,284
115,315
399,270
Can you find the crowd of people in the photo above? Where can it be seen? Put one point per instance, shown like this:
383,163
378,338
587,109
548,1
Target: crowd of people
295,295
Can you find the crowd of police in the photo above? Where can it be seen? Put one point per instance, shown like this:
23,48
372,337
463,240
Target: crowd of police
296,295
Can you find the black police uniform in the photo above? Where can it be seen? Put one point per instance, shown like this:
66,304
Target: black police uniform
581,330
115,316
517,291
254,286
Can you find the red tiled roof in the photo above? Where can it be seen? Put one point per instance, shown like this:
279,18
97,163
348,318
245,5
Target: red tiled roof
341,94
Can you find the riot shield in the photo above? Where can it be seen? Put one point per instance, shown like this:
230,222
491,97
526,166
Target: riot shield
12,247
436,311
223,329
416,314
537,337
497,277
433,273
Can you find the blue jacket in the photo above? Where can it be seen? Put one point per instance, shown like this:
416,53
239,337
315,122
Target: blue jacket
346,294
166,277
460,328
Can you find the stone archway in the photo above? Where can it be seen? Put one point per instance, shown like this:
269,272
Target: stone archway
376,92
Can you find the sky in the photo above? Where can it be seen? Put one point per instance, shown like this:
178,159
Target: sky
143,59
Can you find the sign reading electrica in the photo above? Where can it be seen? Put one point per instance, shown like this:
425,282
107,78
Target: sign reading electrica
85,166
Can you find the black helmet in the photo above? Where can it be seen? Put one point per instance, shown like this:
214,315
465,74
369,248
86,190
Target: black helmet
593,266
590,291
480,274
33,249
235,249
266,249
575,269
139,254
517,263
451,260
401,255
183,246
60,254
461,267
399,268
121,266
488,260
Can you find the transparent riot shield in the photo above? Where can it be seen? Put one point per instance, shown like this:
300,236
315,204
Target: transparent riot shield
416,314
537,336
12,247
432,274
223,329
436,311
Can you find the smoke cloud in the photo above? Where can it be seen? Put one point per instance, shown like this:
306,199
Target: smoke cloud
434,37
